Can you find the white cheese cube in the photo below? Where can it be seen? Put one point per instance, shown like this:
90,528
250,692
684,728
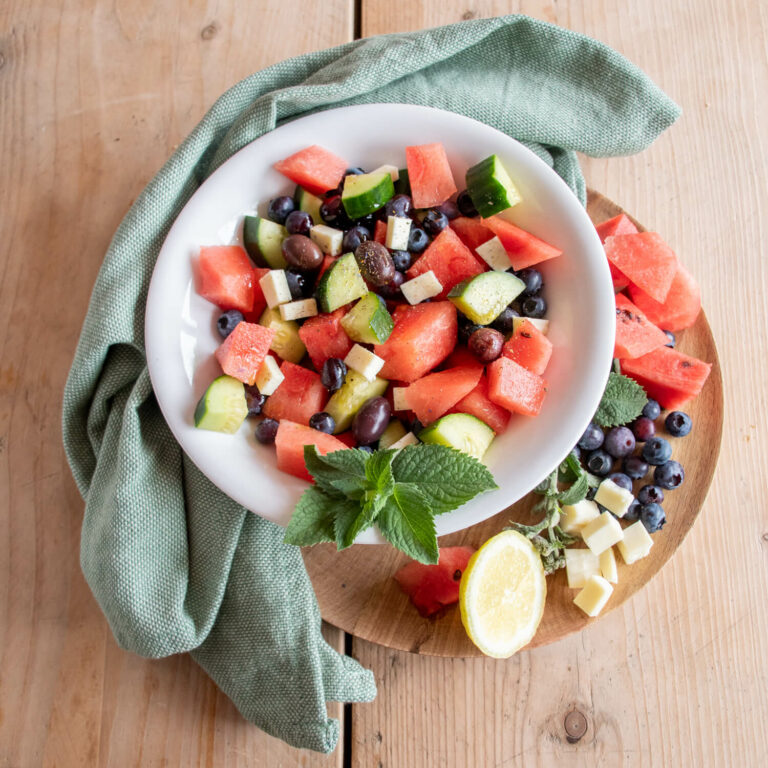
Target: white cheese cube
408,439
275,288
493,253
608,569
603,532
537,322
392,170
327,238
580,564
398,231
637,543
425,286
364,362
614,498
400,398
575,516
269,377
296,310
594,596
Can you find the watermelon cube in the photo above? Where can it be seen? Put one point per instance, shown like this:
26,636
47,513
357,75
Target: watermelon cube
477,404
618,225
429,174
635,334
423,336
289,446
523,248
433,395
314,168
528,347
681,307
460,356
450,260
471,232
380,232
226,277
259,302
243,351
515,388
645,259
299,395
324,337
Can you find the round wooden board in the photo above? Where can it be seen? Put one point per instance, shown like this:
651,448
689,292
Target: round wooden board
357,593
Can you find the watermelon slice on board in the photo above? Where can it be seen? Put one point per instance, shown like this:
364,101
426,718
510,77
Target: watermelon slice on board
243,351
635,334
299,395
681,307
226,277
523,248
645,259
618,225
314,168
434,394
429,174
289,446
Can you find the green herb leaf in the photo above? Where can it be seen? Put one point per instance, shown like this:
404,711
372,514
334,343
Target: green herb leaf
407,523
351,519
312,520
378,471
341,473
623,401
576,492
570,469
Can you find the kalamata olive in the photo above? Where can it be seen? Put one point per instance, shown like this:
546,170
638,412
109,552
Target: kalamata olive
485,344
254,399
332,213
371,420
375,263
333,374
300,252
450,209
465,205
392,289
298,223
266,431
300,287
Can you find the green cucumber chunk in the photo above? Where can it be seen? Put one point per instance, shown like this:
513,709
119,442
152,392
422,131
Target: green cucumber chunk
490,187
368,321
403,183
306,201
286,342
223,407
366,193
263,240
483,297
394,431
461,431
341,283
353,394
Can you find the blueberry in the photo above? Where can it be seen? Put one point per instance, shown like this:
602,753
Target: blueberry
399,205
365,448
254,399
534,306
332,213
635,467
652,410
643,429
465,205
621,480
279,208
633,511
599,463
669,475
392,290
300,287
356,171
333,373
434,222
532,279
266,431
678,424
228,321
402,260
671,340
416,426
450,209
322,422
298,223
466,330
353,237
619,442
417,240
652,517
650,494
592,438
369,222
505,321
657,451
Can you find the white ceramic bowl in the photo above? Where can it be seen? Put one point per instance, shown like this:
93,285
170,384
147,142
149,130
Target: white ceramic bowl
181,333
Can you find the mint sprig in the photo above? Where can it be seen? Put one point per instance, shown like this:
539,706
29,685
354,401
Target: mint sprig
398,491
623,401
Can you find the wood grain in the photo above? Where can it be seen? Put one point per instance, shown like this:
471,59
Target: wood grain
94,96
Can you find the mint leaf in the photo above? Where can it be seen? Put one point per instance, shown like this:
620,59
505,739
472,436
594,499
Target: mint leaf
576,492
570,469
408,524
351,519
378,471
341,473
623,401
312,520
446,477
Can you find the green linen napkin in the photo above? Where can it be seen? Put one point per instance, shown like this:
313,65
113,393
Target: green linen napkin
176,565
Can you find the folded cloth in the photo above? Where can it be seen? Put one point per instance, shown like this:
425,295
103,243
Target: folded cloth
176,565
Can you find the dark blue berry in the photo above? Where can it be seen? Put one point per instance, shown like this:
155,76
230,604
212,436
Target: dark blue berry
266,431
532,279
635,467
652,517
365,448
298,284
450,209
534,306
669,475
415,426
678,424
356,171
434,222
599,463
633,512
417,240
650,494
333,374
228,321
622,480
656,451
652,410
466,329
592,438
643,429
322,422
465,205
254,399
332,213
671,340
402,260
399,205
619,442
298,223
505,320
369,222
279,208
353,237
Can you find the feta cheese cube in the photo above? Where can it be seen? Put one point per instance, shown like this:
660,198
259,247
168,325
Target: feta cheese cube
575,516
494,254
614,498
398,231
603,532
400,398
537,322
580,564
269,377
296,310
392,170
274,285
327,238
594,596
364,362
637,543
408,439
608,569
425,286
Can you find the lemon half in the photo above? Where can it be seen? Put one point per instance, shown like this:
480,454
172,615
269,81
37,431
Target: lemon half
502,594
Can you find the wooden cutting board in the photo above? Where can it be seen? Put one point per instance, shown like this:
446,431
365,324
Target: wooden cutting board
357,593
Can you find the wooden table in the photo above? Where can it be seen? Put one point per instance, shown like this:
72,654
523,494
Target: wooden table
94,96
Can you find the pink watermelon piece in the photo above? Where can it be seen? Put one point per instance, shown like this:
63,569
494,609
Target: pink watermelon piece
243,351
645,259
681,307
314,168
429,175
433,395
528,347
635,334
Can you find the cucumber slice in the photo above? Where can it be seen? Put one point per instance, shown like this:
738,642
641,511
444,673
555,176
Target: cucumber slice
223,407
394,432
286,342
403,183
483,297
490,187
461,431
306,201
341,283
368,321
263,240
347,401
366,193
